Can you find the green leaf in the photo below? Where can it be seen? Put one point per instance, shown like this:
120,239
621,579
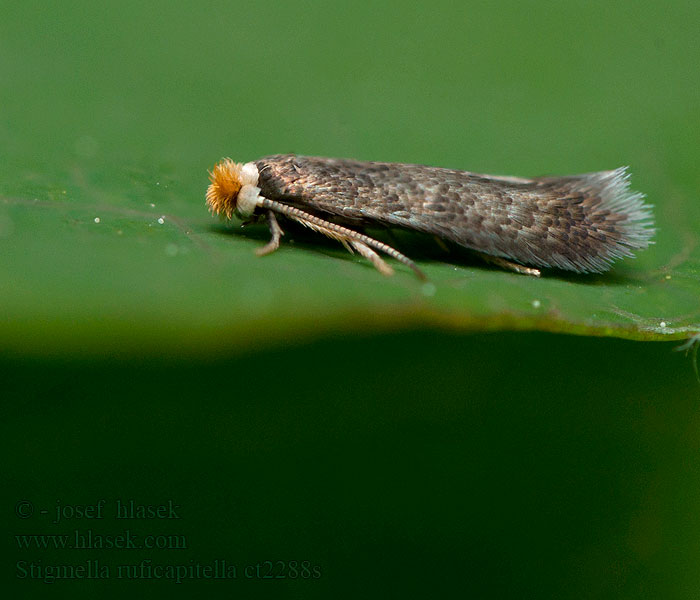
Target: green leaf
105,241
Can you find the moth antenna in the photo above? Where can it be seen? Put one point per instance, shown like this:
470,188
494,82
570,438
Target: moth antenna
338,232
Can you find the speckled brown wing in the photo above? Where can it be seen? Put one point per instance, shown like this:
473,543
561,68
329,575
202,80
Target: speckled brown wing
578,223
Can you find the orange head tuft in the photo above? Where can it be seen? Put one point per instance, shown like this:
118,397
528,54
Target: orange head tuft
226,182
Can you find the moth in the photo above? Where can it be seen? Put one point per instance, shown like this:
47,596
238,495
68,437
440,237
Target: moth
579,223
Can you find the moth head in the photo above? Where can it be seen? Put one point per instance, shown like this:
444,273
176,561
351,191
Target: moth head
233,189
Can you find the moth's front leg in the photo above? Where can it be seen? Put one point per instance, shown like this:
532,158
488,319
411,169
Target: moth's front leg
276,232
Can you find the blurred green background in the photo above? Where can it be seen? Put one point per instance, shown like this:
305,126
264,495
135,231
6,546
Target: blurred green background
301,407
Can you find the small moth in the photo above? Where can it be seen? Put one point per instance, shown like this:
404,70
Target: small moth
579,223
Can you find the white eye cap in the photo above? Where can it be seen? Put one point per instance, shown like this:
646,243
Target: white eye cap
249,196
249,174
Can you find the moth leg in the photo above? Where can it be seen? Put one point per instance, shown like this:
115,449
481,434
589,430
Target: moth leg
252,221
352,245
338,232
276,232
439,241
373,257
511,266
349,246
